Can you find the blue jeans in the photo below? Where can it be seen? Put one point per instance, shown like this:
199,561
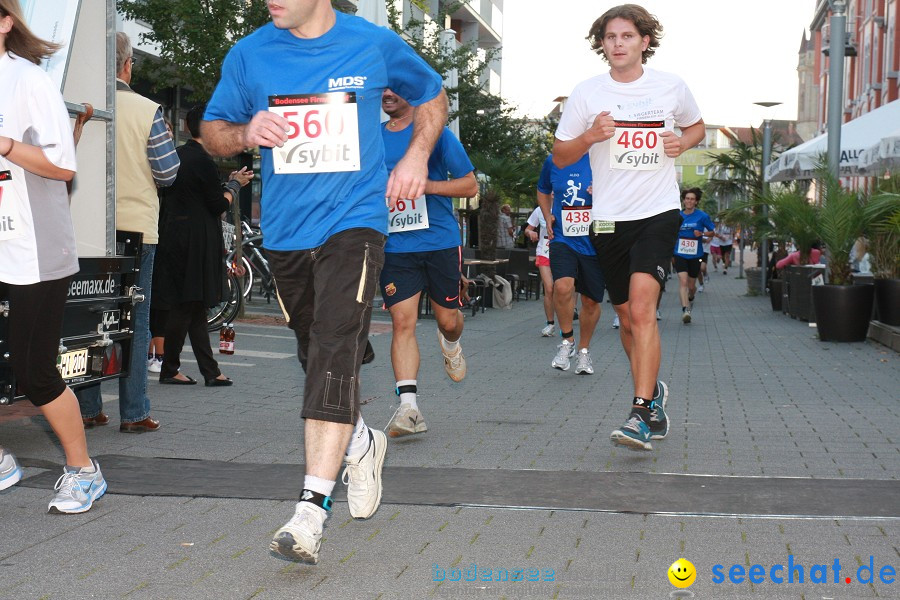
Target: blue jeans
134,404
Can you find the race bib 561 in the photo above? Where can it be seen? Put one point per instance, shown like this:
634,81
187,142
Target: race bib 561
323,133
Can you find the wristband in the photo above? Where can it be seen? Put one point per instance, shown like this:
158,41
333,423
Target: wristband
234,187
12,143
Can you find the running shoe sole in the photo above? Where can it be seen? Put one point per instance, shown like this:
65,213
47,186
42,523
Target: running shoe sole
11,479
285,546
618,438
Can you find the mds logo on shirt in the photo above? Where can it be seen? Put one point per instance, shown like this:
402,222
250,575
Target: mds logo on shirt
349,81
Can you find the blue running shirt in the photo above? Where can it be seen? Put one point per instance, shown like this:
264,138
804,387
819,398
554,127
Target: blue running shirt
698,220
448,161
301,211
569,188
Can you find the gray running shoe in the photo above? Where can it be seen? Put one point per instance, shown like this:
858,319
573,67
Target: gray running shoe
659,421
686,316
406,421
363,477
583,363
616,322
76,491
549,330
301,537
10,472
454,364
563,355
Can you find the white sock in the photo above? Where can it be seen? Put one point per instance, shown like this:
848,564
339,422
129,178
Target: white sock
318,485
359,440
449,346
408,398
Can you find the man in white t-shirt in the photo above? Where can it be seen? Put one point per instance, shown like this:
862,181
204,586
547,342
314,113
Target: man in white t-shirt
625,118
536,231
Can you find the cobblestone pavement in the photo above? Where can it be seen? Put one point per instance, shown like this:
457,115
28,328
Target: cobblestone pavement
753,394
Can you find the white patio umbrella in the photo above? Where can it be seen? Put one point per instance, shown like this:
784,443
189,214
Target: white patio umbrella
881,157
856,136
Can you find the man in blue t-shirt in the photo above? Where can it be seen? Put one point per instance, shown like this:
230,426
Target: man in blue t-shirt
422,253
696,226
306,89
564,196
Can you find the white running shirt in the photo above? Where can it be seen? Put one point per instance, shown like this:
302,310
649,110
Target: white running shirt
622,194
536,220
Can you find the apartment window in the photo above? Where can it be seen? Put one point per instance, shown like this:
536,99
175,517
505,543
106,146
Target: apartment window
701,170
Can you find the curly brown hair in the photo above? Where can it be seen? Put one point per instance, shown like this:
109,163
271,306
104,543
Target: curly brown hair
646,24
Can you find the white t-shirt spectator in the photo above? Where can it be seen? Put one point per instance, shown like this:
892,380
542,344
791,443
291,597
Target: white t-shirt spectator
536,220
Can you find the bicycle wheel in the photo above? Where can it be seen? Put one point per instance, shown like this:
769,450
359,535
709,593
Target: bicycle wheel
248,277
226,310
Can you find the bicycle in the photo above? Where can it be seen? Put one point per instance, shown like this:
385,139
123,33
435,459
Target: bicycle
256,266
227,310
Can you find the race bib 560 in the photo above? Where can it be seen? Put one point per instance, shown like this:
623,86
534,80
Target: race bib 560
323,135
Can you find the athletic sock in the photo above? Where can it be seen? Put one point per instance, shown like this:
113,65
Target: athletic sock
450,347
641,407
359,440
318,485
407,395
568,336
551,322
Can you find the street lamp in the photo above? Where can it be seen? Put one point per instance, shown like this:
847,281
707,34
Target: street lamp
836,84
766,159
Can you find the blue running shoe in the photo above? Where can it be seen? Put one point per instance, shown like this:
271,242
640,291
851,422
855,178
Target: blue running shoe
76,491
10,472
659,421
634,434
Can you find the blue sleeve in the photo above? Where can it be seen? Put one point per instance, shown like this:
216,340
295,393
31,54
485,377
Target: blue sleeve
230,101
456,161
707,222
545,184
409,75
164,161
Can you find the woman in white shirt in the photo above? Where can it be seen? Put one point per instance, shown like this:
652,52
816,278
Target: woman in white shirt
37,250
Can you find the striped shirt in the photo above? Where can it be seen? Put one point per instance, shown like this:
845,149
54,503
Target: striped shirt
164,161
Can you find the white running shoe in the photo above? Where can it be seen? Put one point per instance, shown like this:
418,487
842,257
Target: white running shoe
700,289
362,477
301,537
583,362
616,322
686,316
76,491
154,365
10,471
454,364
565,351
658,316
549,330
406,421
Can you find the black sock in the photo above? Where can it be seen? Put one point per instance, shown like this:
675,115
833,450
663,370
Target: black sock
568,335
641,407
320,500
550,322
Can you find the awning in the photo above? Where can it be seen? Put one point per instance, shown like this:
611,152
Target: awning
883,156
857,136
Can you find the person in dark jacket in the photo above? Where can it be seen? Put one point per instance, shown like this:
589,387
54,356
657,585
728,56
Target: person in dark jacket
191,255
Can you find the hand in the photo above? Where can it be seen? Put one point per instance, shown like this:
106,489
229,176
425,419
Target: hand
266,129
671,144
550,227
243,177
532,235
407,180
239,269
591,189
604,127
698,233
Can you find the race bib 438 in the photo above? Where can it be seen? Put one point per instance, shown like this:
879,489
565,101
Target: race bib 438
323,135
637,146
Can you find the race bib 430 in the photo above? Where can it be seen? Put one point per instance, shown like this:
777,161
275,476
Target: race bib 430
637,146
323,135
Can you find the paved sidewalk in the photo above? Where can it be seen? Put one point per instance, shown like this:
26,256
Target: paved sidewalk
753,395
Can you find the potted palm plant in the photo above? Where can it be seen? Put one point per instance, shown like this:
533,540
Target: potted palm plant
883,215
842,310
793,217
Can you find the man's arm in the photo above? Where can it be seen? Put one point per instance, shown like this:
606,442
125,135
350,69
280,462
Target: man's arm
568,152
222,138
409,176
690,137
164,162
461,187
544,202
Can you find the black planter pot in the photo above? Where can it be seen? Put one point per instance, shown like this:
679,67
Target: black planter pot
887,301
775,293
843,311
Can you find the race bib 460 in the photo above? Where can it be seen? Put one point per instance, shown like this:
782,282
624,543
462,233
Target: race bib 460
323,135
637,146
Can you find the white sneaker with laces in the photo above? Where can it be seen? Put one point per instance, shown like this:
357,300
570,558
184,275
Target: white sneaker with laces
549,330
301,537
406,421
700,289
362,476
154,365
565,351
616,322
454,364
583,363
77,490
658,316
686,316
10,472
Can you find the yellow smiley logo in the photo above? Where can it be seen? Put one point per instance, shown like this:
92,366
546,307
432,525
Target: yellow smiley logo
682,573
